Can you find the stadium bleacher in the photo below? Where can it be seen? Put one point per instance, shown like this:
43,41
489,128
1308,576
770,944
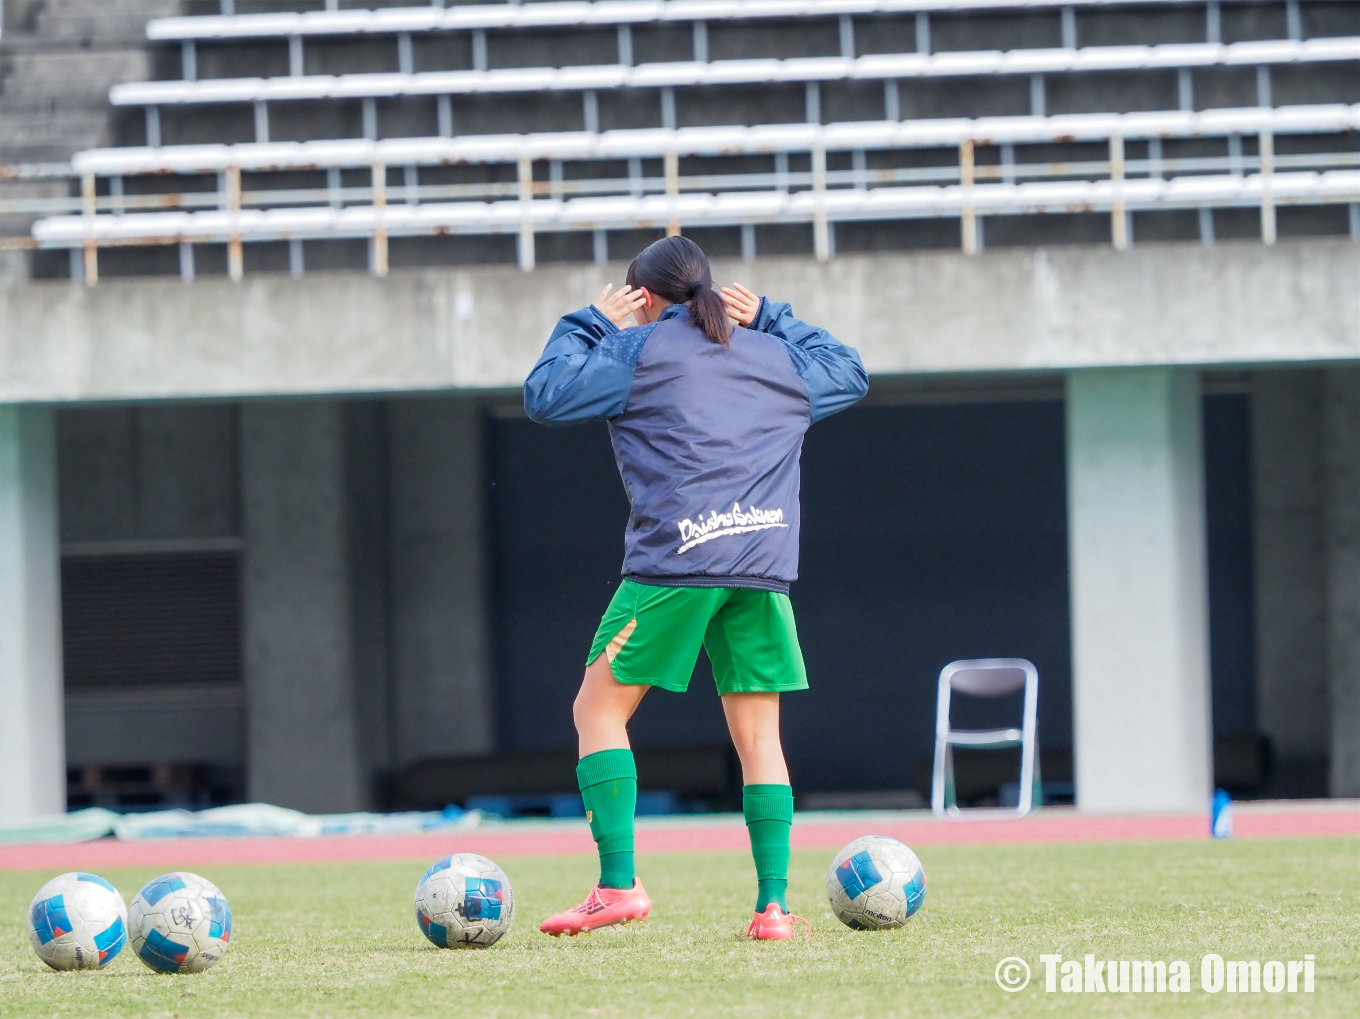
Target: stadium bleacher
1082,122
558,14
680,74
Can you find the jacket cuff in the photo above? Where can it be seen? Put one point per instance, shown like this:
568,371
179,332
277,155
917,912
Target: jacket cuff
603,320
760,314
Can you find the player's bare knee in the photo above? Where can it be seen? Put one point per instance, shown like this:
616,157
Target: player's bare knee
592,709
755,742
584,708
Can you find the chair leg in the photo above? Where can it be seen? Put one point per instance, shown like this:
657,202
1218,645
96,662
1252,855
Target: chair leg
1037,797
950,800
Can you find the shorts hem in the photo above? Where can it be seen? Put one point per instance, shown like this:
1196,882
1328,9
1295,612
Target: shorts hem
673,688
764,688
637,682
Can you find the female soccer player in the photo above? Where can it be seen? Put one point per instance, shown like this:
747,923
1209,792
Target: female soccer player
707,423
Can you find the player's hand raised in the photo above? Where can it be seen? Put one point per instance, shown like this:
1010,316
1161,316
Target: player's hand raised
619,306
742,305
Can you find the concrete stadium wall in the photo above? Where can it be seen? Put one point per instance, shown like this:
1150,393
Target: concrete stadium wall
358,526
422,560
149,480
469,329
1341,427
148,473
406,606
932,531
943,493
1306,460
1289,480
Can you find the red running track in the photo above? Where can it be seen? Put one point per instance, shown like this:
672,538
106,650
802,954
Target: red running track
809,832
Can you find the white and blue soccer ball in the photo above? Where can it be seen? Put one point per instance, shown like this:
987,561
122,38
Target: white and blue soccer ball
77,921
464,901
179,923
875,883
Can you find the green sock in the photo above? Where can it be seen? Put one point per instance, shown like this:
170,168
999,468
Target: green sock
769,816
608,782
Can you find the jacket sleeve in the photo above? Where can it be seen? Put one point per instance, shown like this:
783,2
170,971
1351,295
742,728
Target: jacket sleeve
576,379
834,376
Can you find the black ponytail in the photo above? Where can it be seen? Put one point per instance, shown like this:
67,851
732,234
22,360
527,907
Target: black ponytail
676,269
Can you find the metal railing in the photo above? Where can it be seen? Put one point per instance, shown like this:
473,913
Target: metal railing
964,187
435,17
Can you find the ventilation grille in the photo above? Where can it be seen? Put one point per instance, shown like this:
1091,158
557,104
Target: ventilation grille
151,618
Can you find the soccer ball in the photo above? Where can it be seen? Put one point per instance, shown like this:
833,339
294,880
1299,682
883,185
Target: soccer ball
77,921
464,901
875,884
179,923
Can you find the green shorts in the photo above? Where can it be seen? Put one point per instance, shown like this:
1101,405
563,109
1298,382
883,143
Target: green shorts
651,636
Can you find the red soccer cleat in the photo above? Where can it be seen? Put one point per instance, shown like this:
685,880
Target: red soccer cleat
775,925
604,907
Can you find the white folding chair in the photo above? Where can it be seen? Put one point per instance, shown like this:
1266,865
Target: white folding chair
985,677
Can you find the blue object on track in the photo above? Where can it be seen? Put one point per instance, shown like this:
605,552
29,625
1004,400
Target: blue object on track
1220,820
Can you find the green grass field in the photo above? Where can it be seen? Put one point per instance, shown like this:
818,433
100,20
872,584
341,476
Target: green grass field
340,939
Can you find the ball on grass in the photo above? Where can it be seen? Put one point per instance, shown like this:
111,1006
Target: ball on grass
179,923
464,901
875,883
77,921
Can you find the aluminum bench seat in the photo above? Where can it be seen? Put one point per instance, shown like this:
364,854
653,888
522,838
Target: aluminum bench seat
717,141
700,209
430,18
674,74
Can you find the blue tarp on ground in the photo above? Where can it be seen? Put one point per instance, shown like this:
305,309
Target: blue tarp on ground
244,819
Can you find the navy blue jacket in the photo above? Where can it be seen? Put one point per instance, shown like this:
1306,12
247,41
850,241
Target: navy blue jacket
707,437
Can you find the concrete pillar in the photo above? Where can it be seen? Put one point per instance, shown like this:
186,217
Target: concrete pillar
1341,423
1140,634
32,730
440,654
298,599
1290,572
367,484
